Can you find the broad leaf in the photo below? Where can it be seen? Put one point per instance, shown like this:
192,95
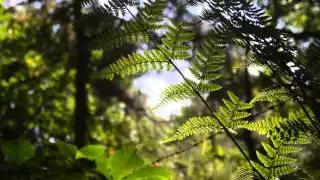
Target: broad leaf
67,150
18,151
91,152
124,162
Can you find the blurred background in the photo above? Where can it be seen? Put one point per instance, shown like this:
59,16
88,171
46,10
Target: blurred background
47,93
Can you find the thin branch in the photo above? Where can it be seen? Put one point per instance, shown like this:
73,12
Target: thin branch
186,149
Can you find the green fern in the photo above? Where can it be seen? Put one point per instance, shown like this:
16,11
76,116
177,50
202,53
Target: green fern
275,164
272,95
134,30
297,124
176,36
244,173
196,125
207,62
136,63
231,118
250,60
283,132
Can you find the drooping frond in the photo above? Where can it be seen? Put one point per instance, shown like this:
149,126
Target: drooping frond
231,118
238,11
272,95
204,68
112,7
135,63
149,18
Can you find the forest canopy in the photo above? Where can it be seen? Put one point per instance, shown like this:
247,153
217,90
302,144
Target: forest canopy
156,89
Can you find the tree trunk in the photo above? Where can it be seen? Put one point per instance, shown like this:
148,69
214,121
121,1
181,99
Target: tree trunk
82,58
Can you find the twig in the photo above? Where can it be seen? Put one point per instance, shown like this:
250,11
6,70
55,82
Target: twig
184,150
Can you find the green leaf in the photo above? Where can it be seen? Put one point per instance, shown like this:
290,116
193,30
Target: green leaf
67,150
124,162
91,152
102,166
159,173
18,151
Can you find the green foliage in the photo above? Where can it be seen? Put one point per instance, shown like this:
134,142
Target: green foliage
124,164
67,150
90,152
18,151
244,173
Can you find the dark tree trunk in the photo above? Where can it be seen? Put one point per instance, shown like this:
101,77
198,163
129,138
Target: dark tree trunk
247,135
82,58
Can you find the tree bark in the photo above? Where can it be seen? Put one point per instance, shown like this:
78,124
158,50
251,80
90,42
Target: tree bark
82,59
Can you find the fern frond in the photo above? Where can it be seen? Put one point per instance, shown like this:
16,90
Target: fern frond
284,133
114,38
275,164
86,2
250,60
283,127
232,116
231,119
209,59
135,63
244,173
313,56
272,95
196,125
131,32
190,3
183,91
176,35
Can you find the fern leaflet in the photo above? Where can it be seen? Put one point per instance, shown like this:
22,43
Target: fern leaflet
136,62
207,62
272,95
131,32
231,118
